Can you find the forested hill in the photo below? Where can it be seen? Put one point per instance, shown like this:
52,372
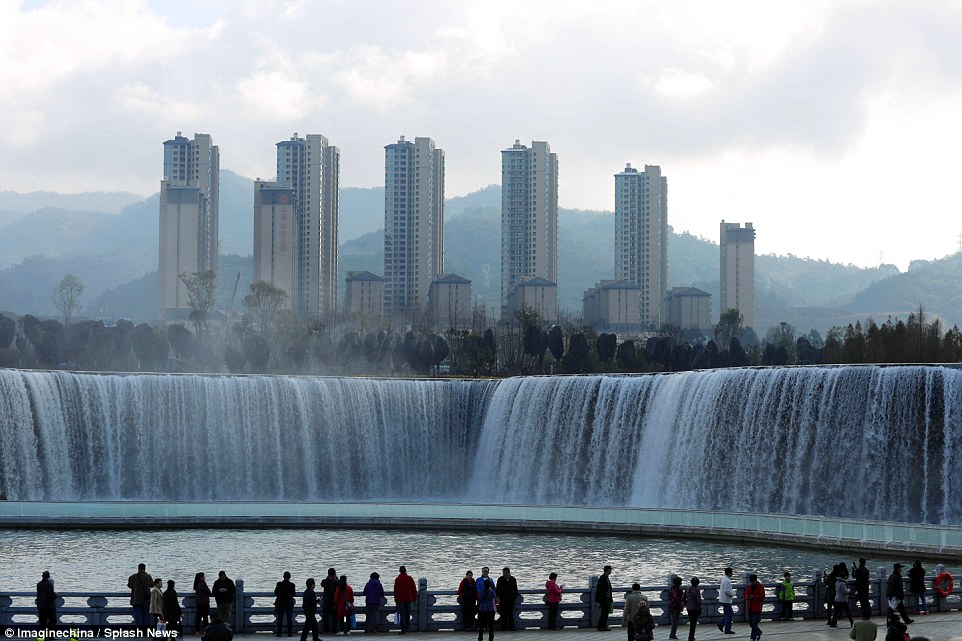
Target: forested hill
116,253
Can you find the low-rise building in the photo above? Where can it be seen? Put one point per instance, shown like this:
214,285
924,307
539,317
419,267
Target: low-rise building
613,306
449,303
365,292
689,308
539,294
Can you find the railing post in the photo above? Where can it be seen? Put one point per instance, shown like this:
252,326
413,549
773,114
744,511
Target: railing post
97,618
189,604
5,602
818,591
941,604
593,610
883,592
240,615
422,623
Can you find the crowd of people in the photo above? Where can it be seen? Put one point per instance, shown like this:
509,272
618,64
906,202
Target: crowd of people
481,598
154,607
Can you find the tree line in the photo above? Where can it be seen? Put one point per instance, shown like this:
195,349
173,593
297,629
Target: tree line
269,339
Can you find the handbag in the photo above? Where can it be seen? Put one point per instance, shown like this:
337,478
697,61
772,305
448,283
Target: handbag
894,603
349,606
397,618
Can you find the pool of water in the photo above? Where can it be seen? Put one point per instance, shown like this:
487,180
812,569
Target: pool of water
101,561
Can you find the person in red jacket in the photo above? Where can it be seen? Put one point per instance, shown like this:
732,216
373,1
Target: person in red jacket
344,603
754,598
552,596
405,594
468,599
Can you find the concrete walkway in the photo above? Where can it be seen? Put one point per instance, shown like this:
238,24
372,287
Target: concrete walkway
935,627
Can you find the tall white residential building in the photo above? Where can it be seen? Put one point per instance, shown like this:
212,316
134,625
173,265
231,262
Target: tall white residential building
737,272
529,216
641,237
275,240
413,223
189,206
310,167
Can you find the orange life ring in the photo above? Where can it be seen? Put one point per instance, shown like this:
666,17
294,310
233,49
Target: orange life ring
944,584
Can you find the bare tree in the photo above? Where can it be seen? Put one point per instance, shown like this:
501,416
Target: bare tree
263,303
67,296
729,326
201,294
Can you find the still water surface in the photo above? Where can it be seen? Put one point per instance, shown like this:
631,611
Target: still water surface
101,561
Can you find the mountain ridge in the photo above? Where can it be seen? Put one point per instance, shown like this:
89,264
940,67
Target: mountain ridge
816,292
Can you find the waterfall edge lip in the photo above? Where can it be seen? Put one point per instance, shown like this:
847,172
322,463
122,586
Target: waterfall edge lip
462,378
943,542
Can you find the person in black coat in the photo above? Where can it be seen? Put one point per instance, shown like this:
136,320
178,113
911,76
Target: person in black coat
917,587
224,591
328,611
46,603
310,611
507,590
897,589
285,594
862,579
172,609
218,631
603,598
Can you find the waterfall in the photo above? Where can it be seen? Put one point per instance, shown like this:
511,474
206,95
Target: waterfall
154,437
861,442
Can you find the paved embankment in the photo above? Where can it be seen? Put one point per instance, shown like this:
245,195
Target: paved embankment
936,627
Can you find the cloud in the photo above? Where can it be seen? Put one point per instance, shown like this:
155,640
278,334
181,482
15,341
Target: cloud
678,83
382,80
140,99
688,86
40,47
47,50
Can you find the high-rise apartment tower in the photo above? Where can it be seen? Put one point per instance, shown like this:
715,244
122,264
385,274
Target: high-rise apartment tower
641,237
737,272
310,167
413,223
529,216
189,205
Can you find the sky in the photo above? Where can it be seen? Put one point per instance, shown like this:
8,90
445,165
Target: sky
832,126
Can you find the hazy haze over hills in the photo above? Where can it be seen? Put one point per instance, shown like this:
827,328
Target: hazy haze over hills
111,202
116,256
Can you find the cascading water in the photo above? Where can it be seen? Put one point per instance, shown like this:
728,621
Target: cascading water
862,442
100,437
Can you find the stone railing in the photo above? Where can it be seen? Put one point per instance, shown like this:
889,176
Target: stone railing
438,609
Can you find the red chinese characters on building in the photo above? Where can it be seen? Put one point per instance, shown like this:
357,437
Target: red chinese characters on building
282,228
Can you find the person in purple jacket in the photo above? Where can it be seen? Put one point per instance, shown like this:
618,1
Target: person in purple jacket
373,600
